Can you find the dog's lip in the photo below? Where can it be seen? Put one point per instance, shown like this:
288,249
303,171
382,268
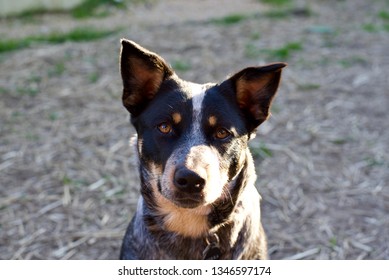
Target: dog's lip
178,195
188,201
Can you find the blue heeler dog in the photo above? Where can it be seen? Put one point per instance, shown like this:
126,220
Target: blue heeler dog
198,199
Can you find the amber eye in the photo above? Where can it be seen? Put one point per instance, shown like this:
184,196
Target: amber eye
165,128
222,133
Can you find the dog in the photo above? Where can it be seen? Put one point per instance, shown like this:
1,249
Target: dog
198,199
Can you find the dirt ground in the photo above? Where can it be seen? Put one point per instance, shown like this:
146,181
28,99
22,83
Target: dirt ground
68,178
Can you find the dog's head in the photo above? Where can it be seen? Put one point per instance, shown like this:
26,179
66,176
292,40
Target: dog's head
192,138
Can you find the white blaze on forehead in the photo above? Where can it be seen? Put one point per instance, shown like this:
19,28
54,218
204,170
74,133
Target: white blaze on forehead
197,93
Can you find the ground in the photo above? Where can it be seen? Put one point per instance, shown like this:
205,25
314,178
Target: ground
68,177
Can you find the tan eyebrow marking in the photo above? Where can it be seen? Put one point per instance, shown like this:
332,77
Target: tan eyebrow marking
177,118
212,120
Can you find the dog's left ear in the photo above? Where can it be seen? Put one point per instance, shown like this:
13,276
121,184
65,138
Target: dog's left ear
255,89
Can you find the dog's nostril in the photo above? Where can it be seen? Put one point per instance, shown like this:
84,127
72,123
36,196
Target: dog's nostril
182,181
188,181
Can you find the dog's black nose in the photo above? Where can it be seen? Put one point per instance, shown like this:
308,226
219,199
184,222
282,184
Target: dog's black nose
188,181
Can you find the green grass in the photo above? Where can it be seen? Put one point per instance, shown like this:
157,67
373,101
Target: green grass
352,61
374,28
384,15
31,15
30,88
80,34
252,51
77,183
13,44
230,19
374,161
93,77
321,29
57,69
181,66
255,35
3,90
89,8
370,27
27,91
381,25
261,152
33,137
284,52
76,35
277,14
53,116
333,242
284,9
17,116
277,2
285,13
308,87
342,140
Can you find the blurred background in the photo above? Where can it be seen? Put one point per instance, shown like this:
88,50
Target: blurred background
68,177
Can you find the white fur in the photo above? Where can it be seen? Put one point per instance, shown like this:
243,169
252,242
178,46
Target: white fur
198,93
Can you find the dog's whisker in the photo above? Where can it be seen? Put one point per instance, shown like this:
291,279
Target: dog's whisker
227,194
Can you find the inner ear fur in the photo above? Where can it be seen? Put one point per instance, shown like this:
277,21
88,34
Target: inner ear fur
142,74
255,89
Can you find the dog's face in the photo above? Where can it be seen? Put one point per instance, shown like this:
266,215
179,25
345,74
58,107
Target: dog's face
193,141
192,138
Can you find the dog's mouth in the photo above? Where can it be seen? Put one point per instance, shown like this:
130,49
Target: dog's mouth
187,201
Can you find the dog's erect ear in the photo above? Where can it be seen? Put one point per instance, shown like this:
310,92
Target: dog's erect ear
142,73
255,89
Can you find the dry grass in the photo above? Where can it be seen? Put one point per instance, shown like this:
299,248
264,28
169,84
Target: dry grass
68,179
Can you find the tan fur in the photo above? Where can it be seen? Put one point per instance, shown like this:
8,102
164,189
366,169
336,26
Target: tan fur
187,222
212,120
177,118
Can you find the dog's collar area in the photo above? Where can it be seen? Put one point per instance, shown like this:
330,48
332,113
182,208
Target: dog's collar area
212,251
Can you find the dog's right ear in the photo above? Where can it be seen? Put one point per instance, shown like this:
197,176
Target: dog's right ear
142,73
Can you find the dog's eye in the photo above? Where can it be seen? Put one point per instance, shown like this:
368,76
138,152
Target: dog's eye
222,133
165,128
